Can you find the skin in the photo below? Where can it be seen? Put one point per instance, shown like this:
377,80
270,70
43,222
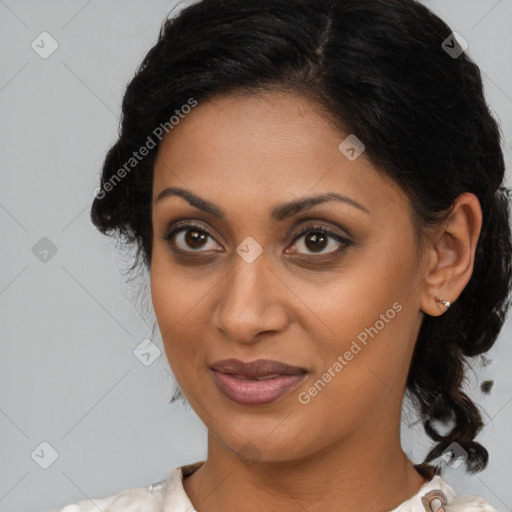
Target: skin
247,154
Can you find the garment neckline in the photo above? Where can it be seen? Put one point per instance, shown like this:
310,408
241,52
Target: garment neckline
175,497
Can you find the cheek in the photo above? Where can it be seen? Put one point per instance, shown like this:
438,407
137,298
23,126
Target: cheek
180,309
358,368
166,302
346,303
171,304
365,316
172,295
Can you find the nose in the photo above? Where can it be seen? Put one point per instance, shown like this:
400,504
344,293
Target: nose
251,301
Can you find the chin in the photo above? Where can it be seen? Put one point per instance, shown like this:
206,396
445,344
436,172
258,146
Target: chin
265,443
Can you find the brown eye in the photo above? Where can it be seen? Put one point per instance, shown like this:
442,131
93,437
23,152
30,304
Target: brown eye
194,238
315,240
190,238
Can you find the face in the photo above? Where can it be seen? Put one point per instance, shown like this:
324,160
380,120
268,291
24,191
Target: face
278,247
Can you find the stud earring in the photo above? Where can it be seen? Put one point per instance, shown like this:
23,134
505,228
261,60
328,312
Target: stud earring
444,302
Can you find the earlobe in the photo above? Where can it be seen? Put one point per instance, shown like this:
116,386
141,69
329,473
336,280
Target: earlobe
453,254
443,302
436,306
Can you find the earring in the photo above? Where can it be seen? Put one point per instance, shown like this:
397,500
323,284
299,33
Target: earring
444,302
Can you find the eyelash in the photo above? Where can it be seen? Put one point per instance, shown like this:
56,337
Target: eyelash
345,243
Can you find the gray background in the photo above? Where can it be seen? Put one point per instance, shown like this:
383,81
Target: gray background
69,324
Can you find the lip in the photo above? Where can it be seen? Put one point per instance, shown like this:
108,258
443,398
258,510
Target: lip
242,382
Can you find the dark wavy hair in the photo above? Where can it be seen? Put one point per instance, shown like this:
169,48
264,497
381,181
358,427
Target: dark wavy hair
378,69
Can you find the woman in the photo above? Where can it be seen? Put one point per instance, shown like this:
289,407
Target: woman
315,189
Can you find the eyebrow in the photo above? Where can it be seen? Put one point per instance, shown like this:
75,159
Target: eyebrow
280,212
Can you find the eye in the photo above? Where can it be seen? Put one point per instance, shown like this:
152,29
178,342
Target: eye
187,238
190,238
316,239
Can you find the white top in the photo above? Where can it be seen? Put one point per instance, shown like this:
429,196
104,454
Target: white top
169,496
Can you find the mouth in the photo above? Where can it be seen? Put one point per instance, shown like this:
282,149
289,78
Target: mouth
258,382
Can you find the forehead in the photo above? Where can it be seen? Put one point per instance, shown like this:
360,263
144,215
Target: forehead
265,148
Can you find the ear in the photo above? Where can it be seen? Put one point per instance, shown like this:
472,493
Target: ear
451,255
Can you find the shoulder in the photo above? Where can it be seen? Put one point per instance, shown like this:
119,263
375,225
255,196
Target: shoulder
147,499
166,495
470,503
439,493
436,495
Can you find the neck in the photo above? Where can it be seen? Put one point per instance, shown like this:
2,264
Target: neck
366,470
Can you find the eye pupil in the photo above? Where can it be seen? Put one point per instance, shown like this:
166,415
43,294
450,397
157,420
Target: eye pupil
195,239
318,241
